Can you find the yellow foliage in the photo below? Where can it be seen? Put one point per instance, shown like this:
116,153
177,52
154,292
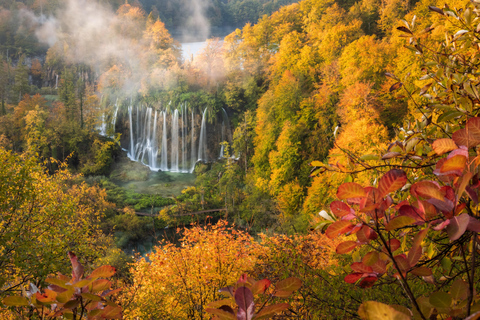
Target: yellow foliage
41,219
290,198
322,191
177,282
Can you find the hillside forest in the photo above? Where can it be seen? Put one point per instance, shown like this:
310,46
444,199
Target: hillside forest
347,185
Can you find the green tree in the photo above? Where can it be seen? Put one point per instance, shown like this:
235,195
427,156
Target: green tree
66,93
21,86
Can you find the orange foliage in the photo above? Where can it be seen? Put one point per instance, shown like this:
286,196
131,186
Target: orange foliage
158,37
27,104
179,281
36,68
307,257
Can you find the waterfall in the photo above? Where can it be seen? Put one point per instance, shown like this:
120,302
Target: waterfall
202,145
56,81
170,139
175,142
164,153
193,154
114,120
154,150
184,128
132,147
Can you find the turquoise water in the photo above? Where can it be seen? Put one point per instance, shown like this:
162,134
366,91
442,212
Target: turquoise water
165,184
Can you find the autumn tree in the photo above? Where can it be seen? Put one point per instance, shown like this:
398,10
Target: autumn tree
41,220
179,282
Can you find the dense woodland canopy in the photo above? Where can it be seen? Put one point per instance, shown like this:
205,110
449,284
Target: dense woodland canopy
326,97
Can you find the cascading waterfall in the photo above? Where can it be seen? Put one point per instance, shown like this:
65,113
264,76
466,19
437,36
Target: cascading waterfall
164,154
132,146
194,153
202,145
184,133
174,150
114,119
170,139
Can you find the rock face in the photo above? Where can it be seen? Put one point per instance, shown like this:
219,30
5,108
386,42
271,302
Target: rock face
172,139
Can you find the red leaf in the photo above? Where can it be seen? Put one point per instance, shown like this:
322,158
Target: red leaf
353,277
246,306
394,244
442,225
442,146
365,234
340,209
77,268
350,190
372,201
402,262
368,282
422,271
457,227
360,267
426,189
445,206
346,247
261,286
473,129
243,278
414,255
473,225
392,181
428,209
337,228
379,267
412,212
452,166
470,135
472,193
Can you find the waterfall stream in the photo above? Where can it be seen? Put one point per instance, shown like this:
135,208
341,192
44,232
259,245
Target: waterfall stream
170,139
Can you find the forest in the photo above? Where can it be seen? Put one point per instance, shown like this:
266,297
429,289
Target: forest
320,161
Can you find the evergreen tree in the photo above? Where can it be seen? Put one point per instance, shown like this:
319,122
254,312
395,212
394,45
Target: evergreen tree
21,86
66,93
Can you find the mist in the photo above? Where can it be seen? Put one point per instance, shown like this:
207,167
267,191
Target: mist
197,26
87,32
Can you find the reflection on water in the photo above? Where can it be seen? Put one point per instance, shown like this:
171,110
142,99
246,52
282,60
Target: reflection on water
165,184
